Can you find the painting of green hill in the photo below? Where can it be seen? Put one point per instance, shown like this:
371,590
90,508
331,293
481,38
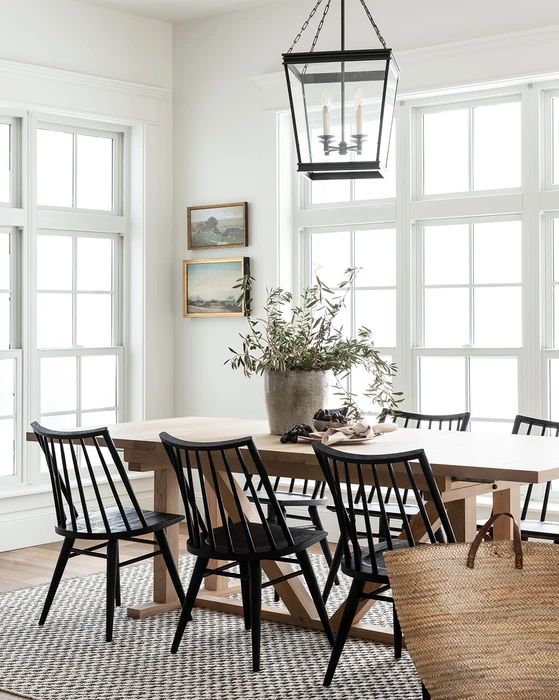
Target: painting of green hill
215,227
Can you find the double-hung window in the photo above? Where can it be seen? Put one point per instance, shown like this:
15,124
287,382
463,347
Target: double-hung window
10,307
78,283
61,279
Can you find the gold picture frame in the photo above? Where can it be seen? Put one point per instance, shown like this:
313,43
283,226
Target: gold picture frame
217,226
208,287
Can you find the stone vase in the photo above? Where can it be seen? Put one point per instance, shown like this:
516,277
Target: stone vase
293,397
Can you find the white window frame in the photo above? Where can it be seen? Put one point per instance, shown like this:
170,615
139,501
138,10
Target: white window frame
15,161
456,104
547,140
25,221
82,128
305,257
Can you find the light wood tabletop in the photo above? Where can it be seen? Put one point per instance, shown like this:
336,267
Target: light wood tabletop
471,456
465,465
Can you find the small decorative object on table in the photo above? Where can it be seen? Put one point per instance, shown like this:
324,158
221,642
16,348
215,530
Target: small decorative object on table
355,431
298,344
324,419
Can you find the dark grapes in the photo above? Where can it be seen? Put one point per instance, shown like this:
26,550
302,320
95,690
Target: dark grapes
293,434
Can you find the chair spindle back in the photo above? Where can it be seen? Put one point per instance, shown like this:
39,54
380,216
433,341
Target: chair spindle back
76,460
342,470
201,467
524,425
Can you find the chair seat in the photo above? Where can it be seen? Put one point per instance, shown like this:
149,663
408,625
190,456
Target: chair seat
117,526
392,510
292,499
302,537
545,530
365,568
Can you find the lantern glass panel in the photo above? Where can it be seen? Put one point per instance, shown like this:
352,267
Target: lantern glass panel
338,108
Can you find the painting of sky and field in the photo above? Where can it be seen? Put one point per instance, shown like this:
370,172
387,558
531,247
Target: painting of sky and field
209,287
215,227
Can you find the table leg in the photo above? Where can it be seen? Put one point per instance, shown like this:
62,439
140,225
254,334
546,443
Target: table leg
463,515
166,500
506,501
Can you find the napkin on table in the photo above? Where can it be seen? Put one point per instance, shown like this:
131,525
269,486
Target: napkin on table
357,429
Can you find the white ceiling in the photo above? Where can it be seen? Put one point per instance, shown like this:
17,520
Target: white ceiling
177,10
409,23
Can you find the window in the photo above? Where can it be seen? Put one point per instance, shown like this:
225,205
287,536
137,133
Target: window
67,341
78,308
371,300
77,169
471,279
10,280
76,300
462,292
470,148
555,139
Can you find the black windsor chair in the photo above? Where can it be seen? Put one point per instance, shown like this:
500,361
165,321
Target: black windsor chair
77,462
363,550
404,419
229,535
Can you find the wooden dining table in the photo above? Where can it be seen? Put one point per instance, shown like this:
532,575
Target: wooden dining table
465,465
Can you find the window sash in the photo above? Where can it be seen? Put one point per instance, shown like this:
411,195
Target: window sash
117,165
455,103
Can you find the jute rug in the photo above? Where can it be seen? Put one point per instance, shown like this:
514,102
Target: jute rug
68,659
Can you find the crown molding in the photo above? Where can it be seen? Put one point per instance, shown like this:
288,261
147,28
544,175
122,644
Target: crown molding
515,57
83,79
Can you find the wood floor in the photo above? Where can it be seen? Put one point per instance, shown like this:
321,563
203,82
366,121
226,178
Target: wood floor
24,568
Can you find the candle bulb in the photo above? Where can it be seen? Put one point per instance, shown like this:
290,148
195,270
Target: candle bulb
358,101
325,114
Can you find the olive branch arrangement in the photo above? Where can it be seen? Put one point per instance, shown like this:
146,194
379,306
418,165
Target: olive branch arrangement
306,336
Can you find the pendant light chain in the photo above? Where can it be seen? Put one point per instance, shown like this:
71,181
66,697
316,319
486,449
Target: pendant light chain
305,25
321,24
377,30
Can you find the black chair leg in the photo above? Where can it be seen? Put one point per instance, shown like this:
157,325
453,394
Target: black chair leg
255,609
56,577
350,608
118,600
193,588
271,518
317,522
425,693
314,589
161,538
112,566
244,570
334,568
397,635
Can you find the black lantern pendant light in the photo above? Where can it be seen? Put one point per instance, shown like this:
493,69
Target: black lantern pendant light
342,104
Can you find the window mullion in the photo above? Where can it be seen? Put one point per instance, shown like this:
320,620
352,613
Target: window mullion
472,285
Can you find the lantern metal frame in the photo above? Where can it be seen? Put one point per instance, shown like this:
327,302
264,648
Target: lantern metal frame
350,169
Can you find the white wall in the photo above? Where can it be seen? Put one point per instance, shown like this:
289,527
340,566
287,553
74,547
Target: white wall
69,59
79,37
225,142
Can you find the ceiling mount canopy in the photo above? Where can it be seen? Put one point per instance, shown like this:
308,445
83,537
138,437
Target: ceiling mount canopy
342,103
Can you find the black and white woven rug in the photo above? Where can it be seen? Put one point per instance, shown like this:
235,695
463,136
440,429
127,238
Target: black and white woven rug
68,659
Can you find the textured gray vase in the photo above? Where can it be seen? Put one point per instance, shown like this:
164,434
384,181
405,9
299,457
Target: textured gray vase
293,397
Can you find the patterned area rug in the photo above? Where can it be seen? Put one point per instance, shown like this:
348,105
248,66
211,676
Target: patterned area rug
68,659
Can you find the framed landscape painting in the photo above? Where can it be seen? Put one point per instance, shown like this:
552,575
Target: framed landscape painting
209,287
217,226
